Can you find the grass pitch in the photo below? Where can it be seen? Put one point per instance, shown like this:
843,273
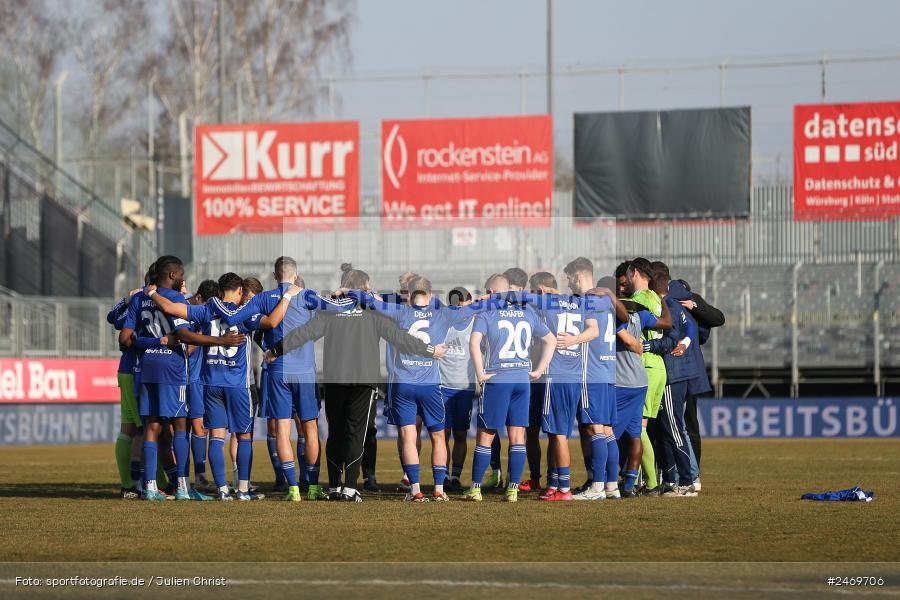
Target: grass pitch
747,535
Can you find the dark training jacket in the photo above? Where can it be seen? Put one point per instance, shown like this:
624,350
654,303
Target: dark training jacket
352,353
689,367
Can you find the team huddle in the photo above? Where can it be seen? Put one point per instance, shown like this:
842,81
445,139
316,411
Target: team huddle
617,359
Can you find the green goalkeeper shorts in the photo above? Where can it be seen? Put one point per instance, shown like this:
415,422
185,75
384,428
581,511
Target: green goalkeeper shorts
127,400
656,386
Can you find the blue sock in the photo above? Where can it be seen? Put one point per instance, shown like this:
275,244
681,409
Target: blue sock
217,460
612,462
182,448
535,470
599,456
495,453
244,454
516,463
439,472
150,451
312,474
553,477
198,450
630,479
565,478
136,472
289,469
272,446
456,473
589,463
413,472
301,459
480,462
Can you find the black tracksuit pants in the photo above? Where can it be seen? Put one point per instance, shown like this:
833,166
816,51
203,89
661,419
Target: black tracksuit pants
349,409
692,424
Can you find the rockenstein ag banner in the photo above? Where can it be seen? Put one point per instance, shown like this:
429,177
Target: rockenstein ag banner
445,172
273,176
846,161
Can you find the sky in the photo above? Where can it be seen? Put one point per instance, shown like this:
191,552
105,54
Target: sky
493,36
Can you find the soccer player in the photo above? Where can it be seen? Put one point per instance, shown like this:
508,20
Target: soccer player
206,290
226,377
458,387
417,389
685,374
164,374
631,387
130,429
597,409
509,331
564,384
638,277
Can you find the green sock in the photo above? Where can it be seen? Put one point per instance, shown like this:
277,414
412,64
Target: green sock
648,460
123,459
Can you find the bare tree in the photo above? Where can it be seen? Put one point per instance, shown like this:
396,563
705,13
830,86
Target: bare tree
32,42
102,38
279,46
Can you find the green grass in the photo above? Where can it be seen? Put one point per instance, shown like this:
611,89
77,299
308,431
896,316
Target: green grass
58,503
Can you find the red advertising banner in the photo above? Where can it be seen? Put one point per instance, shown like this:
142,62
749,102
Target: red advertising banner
437,171
845,161
39,381
260,177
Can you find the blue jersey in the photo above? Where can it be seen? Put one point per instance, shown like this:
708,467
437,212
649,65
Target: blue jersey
301,361
428,323
566,314
601,363
160,364
195,358
224,366
509,333
116,317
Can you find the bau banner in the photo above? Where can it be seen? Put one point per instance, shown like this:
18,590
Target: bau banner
793,417
39,381
846,162
441,172
264,177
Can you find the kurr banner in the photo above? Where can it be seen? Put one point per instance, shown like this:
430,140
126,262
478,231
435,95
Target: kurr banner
40,381
449,172
263,177
845,161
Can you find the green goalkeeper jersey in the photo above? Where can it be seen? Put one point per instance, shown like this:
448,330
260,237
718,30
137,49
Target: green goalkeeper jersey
651,301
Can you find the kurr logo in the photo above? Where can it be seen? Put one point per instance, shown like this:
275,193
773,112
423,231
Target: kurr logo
247,155
394,175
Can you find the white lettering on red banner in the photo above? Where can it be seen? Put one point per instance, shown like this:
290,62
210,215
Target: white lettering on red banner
845,161
58,380
441,171
253,177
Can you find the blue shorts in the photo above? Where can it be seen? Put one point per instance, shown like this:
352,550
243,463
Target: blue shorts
598,406
629,411
411,400
561,402
163,400
458,408
289,395
195,400
504,403
228,407
263,390
536,412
